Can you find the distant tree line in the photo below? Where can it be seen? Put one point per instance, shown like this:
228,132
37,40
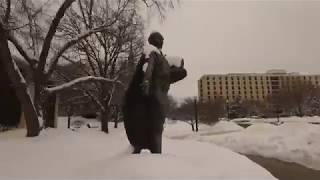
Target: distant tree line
300,99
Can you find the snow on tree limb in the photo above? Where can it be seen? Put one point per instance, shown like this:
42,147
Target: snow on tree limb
80,81
31,60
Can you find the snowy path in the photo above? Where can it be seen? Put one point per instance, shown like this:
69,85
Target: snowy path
89,153
285,170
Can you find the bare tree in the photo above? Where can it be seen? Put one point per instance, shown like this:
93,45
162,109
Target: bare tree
211,111
106,54
291,97
20,86
35,35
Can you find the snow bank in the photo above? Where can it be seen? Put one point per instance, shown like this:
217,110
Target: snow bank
293,119
293,142
183,130
89,153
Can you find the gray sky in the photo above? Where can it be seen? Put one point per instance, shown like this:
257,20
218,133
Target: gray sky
241,36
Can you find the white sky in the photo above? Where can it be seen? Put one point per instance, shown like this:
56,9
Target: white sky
241,36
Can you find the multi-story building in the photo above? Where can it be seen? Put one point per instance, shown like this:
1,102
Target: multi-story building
250,86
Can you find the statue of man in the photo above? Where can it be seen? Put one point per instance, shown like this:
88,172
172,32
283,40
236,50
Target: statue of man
146,99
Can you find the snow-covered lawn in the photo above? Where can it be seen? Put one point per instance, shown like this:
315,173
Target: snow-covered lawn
89,153
296,140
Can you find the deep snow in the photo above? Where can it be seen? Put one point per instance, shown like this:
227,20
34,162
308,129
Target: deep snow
296,140
89,153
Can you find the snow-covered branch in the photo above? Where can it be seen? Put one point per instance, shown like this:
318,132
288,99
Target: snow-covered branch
80,81
31,60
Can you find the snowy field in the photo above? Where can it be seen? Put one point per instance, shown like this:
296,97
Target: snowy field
89,153
296,140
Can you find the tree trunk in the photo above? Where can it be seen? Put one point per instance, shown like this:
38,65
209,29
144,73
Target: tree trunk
192,125
116,119
104,113
104,121
32,122
196,114
38,88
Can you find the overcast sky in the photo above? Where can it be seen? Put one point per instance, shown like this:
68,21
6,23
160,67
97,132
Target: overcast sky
241,36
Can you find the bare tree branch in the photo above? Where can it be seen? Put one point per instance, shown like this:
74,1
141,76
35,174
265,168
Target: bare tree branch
31,60
52,30
8,12
72,42
94,99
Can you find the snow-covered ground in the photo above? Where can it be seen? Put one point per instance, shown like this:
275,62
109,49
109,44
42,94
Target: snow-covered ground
89,153
293,119
296,140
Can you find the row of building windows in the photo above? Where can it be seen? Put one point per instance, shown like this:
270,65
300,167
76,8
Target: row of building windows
234,93
263,77
261,84
232,82
239,88
235,97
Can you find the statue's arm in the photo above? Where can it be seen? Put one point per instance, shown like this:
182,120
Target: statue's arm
177,73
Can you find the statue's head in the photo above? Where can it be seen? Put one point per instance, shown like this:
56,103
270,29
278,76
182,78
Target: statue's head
156,39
